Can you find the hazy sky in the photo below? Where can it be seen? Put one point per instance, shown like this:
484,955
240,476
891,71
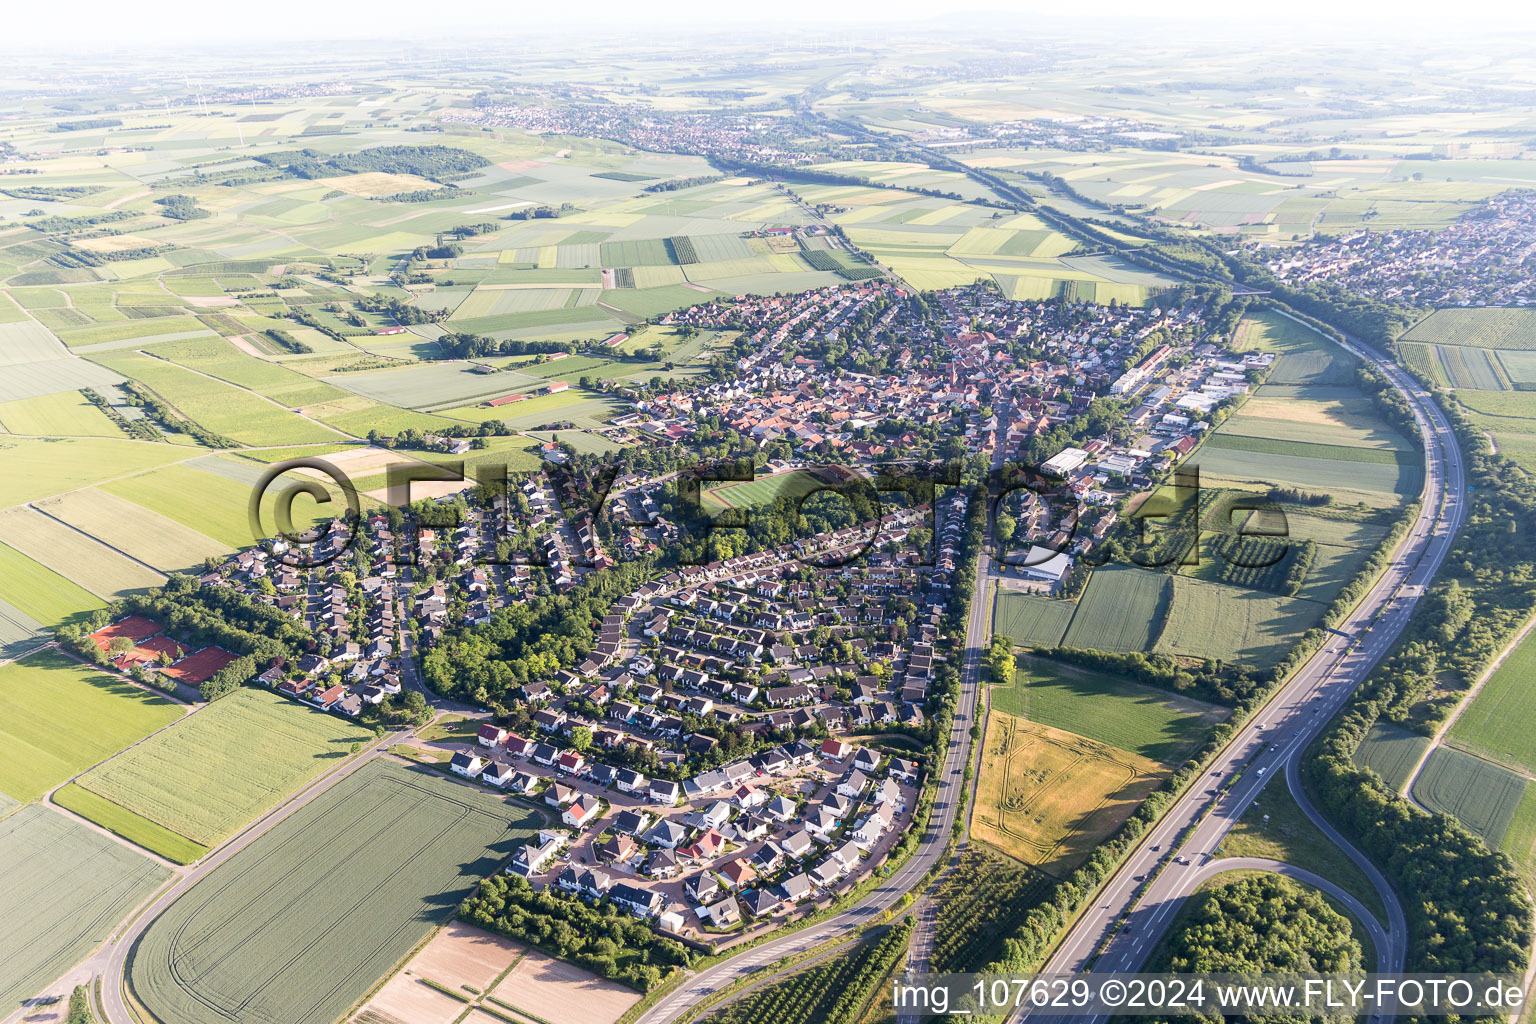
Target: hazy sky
77,25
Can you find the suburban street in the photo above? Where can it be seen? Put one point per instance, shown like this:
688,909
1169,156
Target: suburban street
888,893
1175,857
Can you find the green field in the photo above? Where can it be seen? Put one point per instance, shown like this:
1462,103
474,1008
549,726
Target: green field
1466,367
1249,627
1031,621
132,529
1304,356
218,358
40,592
69,553
135,828
1311,450
66,414
1375,484
1122,609
1496,725
1519,366
761,491
222,408
433,385
1479,328
64,889
348,885
1478,793
1154,723
1391,752
38,468
62,717
225,764
211,503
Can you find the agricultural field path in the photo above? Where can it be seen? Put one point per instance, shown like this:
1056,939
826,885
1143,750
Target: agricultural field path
1466,702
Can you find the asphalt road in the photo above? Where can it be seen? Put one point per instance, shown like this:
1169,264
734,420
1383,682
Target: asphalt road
1129,916
947,804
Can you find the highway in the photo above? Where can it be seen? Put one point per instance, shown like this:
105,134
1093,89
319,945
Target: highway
1136,906
947,804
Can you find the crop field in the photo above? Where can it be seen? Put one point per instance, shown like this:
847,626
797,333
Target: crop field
39,592
1153,723
214,505
581,407
1314,415
135,828
1480,794
37,468
1496,725
19,632
1029,620
27,342
1342,549
351,883
432,385
1122,609
546,989
1478,328
51,376
218,358
1518,366
1519,842
62,717
1513,411
1048,797
1247,627
1425,359
224,765
86,562
1304,356
64,414
63,890
1391,751
222,408
1467,367
1375,484
132,529
1312,450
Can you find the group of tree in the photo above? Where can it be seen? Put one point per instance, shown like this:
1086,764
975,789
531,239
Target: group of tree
180,207
600,938
456,345
436,163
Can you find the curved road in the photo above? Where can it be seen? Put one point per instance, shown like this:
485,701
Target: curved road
946,805
1372,926
1174,855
